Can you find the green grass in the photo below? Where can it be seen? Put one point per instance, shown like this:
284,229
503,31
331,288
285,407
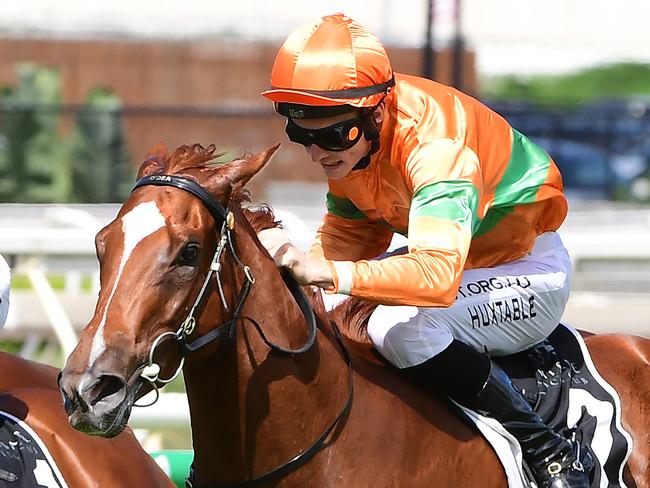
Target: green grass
46,352
57,282
10,346
176,438
176,386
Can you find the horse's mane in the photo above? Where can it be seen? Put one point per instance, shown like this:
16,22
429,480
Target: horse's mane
351,315
191,156
259,216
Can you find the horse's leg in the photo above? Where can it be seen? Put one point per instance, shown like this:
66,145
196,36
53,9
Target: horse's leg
624,361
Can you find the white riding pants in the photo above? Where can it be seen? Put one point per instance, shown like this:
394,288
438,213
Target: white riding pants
500,310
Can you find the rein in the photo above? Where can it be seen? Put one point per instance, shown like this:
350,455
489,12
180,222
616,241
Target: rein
150,372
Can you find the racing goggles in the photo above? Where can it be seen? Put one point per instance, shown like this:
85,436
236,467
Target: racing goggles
336,137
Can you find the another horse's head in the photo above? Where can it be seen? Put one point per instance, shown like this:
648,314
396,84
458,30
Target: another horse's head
154,258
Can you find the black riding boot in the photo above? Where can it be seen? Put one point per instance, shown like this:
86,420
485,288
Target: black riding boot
473,380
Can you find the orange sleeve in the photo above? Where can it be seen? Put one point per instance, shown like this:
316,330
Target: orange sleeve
445,178
340,238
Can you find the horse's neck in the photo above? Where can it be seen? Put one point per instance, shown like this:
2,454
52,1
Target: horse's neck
252,408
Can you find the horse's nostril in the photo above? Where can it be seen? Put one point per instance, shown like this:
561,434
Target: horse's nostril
104,387
68,404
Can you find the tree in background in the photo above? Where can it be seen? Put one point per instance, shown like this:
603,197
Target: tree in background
38,163
101,171
615,81
33,163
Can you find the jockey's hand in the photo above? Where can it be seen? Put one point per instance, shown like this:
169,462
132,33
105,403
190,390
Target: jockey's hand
273,240
306,269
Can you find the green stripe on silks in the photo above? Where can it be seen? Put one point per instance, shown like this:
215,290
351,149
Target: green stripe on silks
342,207
175,463
492,218
526,173
455,200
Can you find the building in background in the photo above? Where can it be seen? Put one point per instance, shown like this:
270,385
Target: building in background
175,85
192,71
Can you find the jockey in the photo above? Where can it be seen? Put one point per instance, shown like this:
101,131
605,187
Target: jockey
485,273
5,282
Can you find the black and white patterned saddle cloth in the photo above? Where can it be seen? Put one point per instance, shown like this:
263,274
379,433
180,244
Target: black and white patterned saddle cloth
25,462
559,379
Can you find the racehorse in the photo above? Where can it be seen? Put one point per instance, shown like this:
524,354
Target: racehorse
30,396
185,284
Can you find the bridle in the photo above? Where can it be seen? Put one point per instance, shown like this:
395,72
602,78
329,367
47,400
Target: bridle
226,243
150,372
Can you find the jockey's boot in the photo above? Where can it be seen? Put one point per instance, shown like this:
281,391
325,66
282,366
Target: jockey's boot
473,380
551,457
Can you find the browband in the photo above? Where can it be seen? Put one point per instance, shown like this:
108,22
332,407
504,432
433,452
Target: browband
212,204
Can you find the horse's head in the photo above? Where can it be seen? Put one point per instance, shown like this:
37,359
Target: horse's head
154,259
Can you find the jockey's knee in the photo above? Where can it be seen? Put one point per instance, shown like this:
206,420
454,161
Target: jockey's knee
406,337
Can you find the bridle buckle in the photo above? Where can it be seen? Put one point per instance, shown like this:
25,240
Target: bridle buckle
189,325
249,274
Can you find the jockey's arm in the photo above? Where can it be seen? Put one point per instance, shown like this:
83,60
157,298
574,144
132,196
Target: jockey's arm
446,186
336,238
342,238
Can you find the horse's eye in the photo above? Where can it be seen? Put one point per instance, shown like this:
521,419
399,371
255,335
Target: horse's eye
190,253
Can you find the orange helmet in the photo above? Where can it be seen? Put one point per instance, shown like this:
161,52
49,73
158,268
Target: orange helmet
331,62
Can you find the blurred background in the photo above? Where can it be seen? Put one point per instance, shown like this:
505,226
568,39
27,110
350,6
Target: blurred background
87,88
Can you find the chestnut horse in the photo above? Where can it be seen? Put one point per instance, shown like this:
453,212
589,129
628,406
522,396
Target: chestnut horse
185,283
29,393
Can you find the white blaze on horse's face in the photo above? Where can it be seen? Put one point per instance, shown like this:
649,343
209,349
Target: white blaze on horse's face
139,223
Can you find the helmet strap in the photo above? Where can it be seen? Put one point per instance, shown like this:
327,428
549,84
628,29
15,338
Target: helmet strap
364,162
371,134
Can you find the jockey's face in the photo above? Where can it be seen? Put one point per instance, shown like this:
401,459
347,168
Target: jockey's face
335,164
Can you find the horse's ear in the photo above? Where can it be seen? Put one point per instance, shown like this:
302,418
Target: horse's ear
155,161
239,172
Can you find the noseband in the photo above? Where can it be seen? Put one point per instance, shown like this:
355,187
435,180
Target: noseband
150,372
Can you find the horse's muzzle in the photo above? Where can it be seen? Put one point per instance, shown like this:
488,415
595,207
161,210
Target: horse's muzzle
96,403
